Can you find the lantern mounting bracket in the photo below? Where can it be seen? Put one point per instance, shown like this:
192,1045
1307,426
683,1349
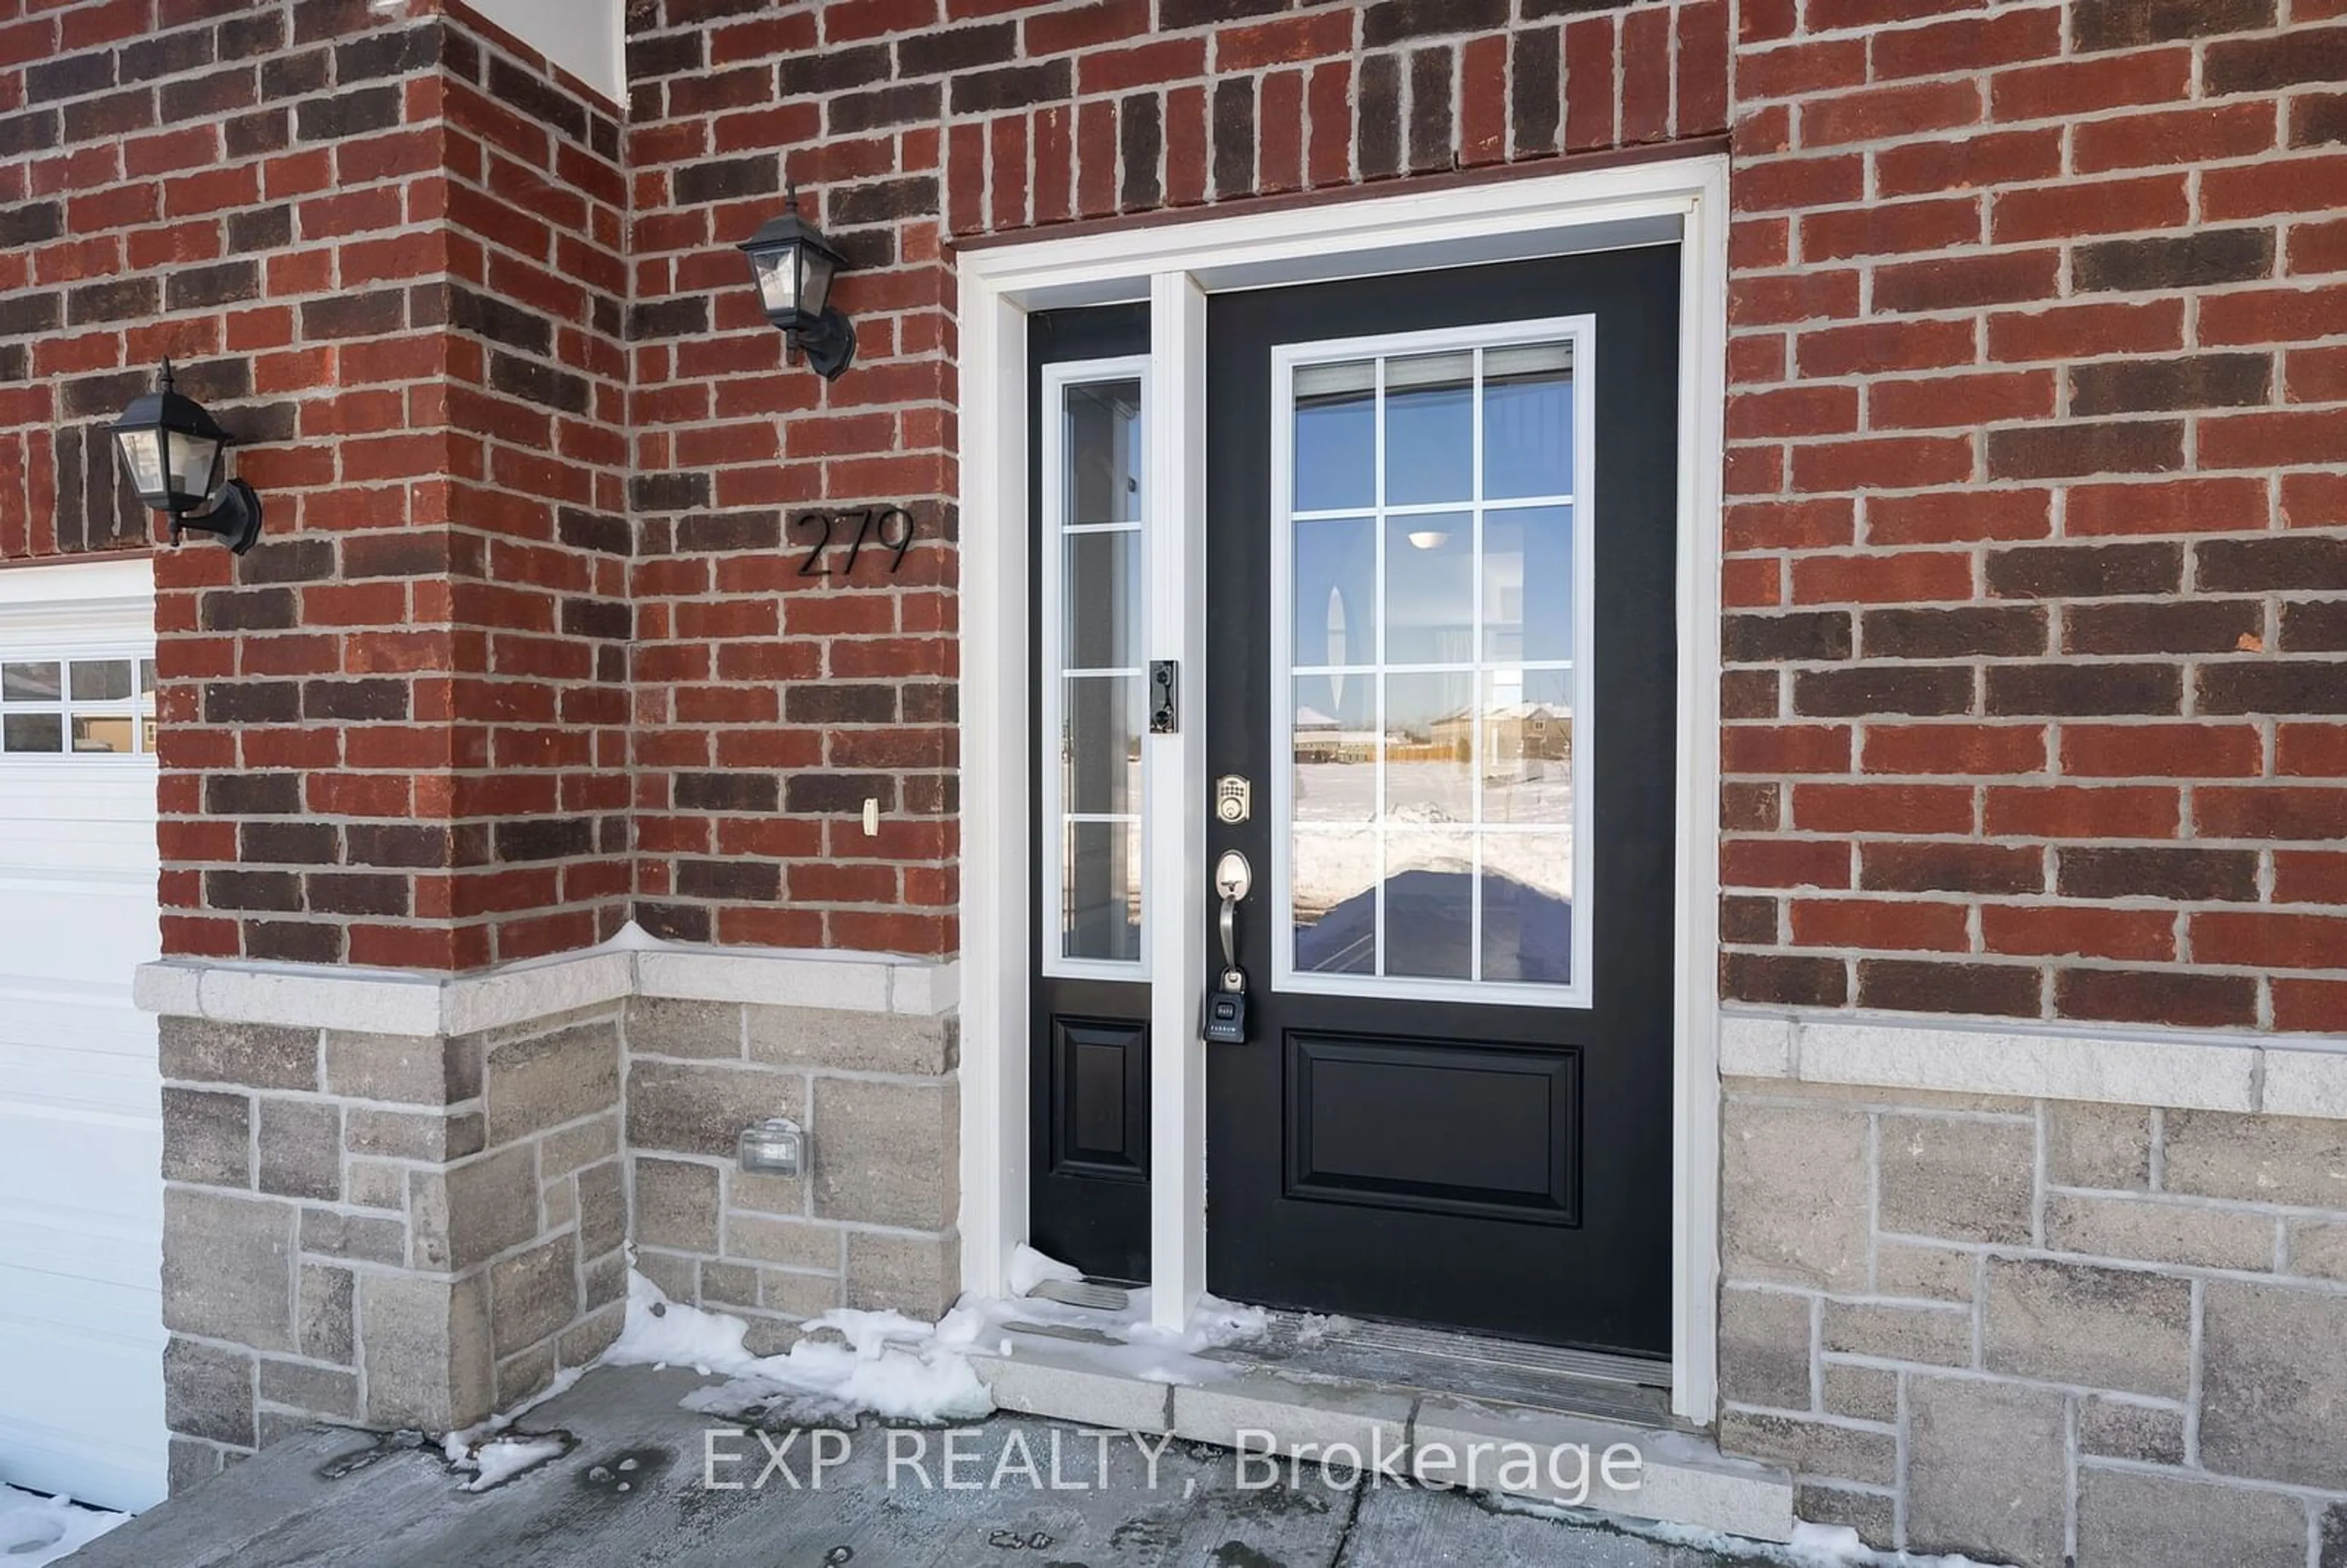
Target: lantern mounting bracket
234,515
829,344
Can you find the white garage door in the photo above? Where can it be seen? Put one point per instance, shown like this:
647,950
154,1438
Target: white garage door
81,1197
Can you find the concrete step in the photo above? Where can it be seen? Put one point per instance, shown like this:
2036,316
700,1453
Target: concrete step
1678,1477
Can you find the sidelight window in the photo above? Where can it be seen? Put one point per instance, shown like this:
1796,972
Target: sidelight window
1431,669
1092,701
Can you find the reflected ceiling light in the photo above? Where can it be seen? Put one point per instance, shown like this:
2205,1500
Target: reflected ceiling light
1430,538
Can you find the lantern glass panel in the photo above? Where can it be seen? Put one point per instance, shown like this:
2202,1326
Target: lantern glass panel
195,462
142,454
816,284
778,279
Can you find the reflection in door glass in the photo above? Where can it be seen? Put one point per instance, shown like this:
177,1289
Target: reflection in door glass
1430,589
1101,763
1433,685
1335,747
1092,686
1430,899
1430,748
1335,436
1103,600
1101,895
1527,748
1526,551
1528,421
1335,614
1526,909
1103,448
1336,876
1429,412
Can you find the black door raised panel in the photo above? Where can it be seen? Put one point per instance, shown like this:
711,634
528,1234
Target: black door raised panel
1447,1146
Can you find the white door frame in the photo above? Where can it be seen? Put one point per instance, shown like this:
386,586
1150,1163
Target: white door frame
1174,266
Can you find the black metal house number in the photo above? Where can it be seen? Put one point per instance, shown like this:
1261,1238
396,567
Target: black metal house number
890,529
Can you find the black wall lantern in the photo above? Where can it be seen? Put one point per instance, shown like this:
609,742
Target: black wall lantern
177,456
794,266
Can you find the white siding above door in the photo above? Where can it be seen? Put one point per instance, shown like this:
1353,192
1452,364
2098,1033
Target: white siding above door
81,1334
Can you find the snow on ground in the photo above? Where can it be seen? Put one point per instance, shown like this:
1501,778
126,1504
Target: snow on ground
36,1530
850,1363
496,1454
903,1370
500,1460
1030,1268
890,1364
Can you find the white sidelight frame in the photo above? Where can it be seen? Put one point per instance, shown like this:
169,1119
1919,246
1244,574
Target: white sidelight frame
1175,265
1052,653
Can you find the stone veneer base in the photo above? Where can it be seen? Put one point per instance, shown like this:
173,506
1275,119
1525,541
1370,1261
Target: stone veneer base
2034,1330
398,1200
2025,1294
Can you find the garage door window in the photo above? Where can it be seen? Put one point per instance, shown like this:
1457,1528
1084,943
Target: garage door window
84,706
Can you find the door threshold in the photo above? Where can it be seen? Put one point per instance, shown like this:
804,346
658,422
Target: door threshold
1435,1419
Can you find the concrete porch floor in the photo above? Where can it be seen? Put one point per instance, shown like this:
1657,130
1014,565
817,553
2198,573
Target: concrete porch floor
630,1490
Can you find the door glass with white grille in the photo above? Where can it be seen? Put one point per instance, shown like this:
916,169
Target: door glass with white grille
1432,668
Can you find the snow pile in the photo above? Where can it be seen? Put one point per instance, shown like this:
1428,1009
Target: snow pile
1030,1268
496,1454
662,1333
889,1364
500,1460
902,1369
1838,1546
35,1531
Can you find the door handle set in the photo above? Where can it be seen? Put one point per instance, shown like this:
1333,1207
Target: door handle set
1226,1005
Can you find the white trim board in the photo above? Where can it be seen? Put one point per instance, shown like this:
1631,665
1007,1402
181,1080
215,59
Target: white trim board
1174,266
633,964
2188,1069
126,577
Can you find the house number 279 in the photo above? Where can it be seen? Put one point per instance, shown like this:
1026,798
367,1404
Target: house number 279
889,529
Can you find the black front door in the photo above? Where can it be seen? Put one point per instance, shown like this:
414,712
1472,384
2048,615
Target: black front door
1442,596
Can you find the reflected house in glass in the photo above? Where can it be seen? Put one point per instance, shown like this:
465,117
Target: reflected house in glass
1320,738
1517,733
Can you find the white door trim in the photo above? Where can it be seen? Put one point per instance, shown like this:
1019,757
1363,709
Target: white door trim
1174,266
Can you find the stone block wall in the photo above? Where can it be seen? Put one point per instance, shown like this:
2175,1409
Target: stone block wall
383,1229
2033,1331
872,1225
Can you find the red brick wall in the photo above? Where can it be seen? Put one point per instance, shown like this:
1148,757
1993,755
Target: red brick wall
395,733
772,705
2038,544
2038,592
